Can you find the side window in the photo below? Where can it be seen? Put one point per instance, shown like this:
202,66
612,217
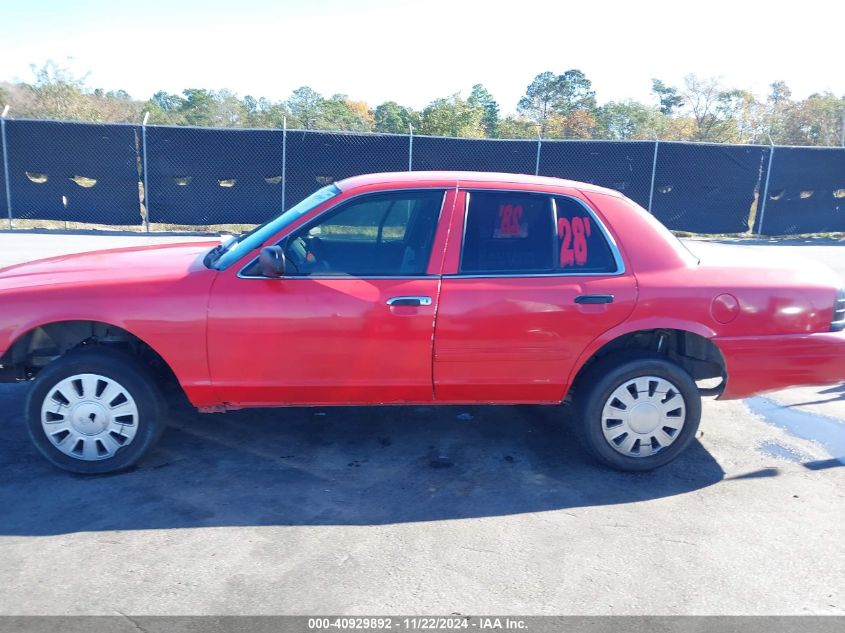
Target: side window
508,233
581,246
397,220
381,234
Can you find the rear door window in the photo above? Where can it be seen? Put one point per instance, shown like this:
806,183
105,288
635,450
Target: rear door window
508,233
512,233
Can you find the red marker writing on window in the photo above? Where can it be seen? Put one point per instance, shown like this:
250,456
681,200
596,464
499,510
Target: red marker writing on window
573,236
510,216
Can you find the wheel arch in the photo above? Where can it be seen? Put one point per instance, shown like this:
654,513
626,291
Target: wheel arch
38,345
689,345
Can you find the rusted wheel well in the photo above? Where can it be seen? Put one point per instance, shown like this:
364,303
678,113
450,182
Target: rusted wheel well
41,345
698,355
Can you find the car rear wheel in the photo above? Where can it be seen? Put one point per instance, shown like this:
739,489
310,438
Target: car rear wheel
94,411
637,412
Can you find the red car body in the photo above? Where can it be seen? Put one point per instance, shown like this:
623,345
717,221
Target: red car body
235,341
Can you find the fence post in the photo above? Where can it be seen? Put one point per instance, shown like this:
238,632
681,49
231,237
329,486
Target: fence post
410,147
284,160
539,145
6,164
653,174
144,159
765,193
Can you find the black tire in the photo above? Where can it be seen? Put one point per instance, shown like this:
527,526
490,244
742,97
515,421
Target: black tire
114,365
597,384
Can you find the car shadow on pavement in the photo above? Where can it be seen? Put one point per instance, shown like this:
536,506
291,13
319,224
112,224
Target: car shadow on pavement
836,393
331,466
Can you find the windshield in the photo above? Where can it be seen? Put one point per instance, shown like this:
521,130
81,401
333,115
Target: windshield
239,246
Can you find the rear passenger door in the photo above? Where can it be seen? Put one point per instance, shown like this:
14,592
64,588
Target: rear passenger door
536,278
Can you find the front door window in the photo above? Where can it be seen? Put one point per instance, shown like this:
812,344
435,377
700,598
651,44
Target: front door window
378,235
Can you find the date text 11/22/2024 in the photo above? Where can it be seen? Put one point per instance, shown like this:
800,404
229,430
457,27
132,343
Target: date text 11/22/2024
432,623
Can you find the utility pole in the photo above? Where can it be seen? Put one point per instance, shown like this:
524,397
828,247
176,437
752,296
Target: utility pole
144,167
6,164
842,132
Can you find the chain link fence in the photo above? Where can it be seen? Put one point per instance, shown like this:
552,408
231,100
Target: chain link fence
171,178
204,177
804,192
71,172
707,188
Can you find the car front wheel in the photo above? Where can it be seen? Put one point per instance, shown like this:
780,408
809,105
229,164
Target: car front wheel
94,411
637,412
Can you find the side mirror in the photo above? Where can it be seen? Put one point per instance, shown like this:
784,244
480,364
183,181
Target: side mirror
271,261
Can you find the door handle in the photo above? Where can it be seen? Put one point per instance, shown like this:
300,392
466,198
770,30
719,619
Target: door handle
589,299
409,301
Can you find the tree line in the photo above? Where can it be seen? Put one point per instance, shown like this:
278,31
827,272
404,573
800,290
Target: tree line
553,106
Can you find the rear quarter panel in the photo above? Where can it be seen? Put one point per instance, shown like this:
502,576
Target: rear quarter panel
778,301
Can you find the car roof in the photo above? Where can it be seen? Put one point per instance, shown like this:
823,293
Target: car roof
456,178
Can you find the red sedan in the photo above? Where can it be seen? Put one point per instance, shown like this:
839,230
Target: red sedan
424,288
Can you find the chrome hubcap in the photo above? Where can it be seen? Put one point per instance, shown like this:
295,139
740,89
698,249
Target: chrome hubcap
89,417
643,415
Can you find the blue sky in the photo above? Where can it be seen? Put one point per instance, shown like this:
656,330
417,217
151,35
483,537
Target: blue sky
413,52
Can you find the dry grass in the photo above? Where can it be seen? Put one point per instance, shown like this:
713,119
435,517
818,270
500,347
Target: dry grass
829,236
155,227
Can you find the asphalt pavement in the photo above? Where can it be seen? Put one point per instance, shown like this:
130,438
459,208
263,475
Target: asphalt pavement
416,510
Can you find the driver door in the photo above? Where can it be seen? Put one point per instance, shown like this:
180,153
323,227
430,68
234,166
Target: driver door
352,320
